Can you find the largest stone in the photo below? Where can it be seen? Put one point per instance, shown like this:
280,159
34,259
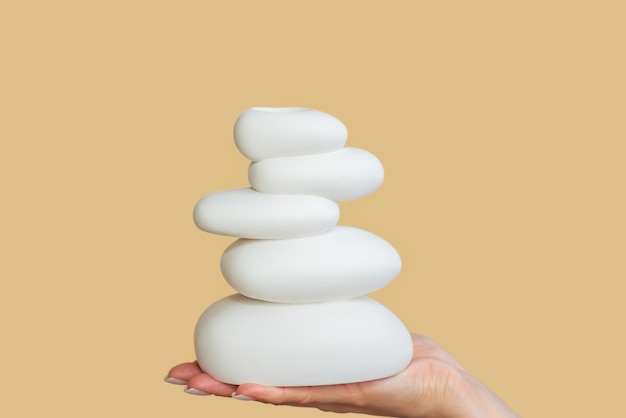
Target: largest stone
240,340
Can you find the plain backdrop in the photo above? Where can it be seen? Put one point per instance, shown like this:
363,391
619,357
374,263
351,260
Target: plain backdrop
500,125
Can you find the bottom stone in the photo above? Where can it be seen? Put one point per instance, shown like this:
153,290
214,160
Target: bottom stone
240,340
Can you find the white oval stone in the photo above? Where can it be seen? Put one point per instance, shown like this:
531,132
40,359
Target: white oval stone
342,263
247,213
267,132
240,340
346,174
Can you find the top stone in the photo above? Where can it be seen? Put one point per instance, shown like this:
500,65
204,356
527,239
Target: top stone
267,132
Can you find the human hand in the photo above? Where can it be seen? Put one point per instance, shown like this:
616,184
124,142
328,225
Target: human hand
434,384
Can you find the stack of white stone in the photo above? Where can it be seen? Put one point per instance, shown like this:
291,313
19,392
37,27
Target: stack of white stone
300,317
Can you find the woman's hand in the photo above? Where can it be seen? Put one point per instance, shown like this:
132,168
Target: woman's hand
433,385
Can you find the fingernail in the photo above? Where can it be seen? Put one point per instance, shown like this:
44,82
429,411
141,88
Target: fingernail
195,391
175,381
242,397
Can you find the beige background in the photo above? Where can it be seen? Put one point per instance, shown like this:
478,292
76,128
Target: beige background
501,128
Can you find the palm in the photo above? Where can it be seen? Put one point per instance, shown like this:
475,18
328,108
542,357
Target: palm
423,383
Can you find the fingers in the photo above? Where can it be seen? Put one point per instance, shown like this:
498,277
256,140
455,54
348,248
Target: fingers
204,383
198,382
302,396
332,398
182,373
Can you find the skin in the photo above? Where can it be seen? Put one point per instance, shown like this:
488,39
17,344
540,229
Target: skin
434,385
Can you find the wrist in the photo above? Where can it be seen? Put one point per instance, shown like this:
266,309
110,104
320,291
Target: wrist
476,400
